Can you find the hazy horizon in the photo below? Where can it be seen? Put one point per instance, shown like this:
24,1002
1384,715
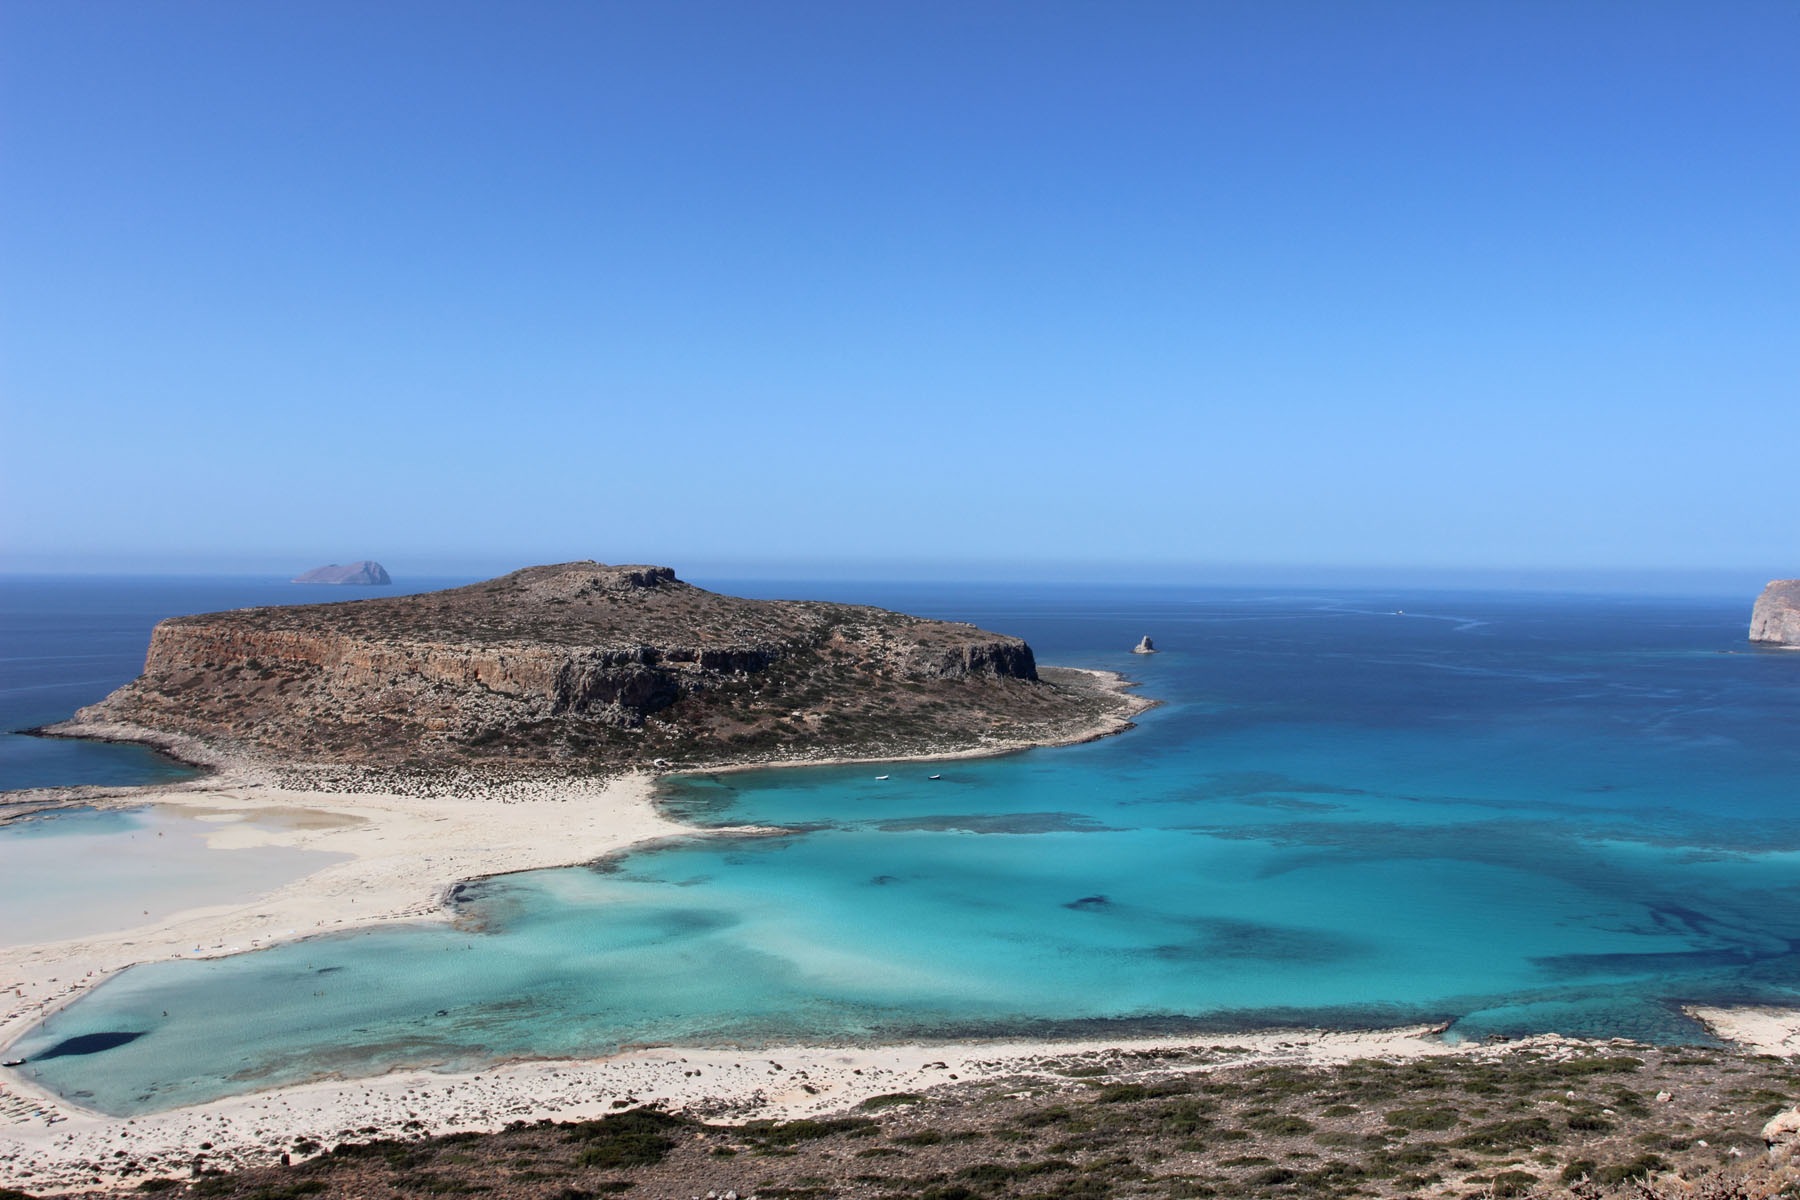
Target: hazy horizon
712,573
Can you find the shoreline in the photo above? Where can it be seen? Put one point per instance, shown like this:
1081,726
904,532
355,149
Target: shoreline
1113,683
178,748
213,762
778,1082
446,841
720,1084
493,829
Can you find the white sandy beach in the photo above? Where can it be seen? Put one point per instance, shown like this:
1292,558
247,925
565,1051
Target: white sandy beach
720,1084
1763,1030
779,1083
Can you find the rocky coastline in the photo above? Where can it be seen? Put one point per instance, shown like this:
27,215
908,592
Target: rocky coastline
1775,619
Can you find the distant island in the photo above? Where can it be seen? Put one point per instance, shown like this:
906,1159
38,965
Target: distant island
586,665
366,572
1776,618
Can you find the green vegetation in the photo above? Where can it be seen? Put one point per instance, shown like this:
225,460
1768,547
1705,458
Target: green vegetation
890,1100
635,1138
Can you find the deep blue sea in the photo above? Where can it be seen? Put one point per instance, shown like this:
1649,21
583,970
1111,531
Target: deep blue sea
1510,812
68,641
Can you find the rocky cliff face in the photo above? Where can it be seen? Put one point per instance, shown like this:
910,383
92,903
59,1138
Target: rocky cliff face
366,573
1776,617
579,660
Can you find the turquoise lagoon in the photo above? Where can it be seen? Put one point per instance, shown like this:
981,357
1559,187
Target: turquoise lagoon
1507,813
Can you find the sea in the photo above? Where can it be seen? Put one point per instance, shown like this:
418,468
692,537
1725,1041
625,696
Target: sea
1503,813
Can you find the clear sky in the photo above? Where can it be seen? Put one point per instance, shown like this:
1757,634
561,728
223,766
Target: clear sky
994,288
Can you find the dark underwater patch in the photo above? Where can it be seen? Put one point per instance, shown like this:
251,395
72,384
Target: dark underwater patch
1678,918
1672,962
1263,788
1089,903
1256,783
1288,804
90,1043
1038,822
1222,938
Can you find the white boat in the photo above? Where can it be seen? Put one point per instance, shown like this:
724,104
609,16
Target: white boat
880,777
935,777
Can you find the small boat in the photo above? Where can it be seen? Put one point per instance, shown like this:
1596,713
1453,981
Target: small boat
13,1062
935,777
880,777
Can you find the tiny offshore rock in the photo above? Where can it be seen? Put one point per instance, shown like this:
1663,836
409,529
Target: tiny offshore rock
1775,620
1144,647
367,573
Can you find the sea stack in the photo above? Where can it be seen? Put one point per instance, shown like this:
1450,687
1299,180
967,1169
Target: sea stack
1775,620
366,573
1144,647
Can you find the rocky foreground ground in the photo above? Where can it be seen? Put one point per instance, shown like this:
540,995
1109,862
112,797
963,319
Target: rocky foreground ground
1572,1121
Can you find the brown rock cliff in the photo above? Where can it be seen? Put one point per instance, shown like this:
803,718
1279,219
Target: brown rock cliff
1776,617
583,661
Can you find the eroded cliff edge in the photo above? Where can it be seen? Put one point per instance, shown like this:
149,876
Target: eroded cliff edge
1776,618
584,664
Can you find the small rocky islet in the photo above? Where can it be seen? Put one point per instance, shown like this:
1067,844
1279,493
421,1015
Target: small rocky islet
365,573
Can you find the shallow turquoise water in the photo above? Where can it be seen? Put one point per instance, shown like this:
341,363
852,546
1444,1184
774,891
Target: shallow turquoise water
1516,813
84,871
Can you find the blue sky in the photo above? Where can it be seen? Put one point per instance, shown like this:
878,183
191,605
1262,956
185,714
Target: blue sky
990,288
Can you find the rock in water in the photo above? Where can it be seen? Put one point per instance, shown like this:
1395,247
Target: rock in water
366,572
1144,647
1776,617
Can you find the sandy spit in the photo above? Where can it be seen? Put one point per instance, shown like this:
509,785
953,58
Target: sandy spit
1763,1030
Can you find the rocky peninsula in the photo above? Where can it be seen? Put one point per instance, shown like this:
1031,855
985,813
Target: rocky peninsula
1776,618
584,665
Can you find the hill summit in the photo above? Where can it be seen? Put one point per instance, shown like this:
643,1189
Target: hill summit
590,663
